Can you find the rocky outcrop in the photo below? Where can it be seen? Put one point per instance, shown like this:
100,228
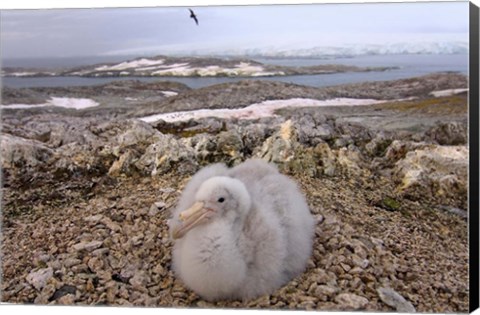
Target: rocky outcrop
314,145
23,153
448,133
166,155
439,171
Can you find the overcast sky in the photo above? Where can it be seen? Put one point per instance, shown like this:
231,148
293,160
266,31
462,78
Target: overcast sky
168,30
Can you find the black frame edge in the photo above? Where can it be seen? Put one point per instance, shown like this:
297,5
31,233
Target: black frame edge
474,158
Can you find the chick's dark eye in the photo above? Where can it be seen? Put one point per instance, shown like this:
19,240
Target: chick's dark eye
221,199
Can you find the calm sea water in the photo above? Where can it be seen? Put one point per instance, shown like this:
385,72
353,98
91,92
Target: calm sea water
408,66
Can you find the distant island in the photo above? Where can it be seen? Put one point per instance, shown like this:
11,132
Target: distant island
163,66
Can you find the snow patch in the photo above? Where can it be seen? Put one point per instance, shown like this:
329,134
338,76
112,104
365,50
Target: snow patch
178,69
209,71
258,110
131,64
241,69
22,74
449,92
169,93
66,102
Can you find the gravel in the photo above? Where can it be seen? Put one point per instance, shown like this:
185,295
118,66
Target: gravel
112,249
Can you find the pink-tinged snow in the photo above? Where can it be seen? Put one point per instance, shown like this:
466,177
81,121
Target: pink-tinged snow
131,64
258,110
449,92
66,102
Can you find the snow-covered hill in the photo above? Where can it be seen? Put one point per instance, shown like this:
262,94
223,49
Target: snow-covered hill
164,66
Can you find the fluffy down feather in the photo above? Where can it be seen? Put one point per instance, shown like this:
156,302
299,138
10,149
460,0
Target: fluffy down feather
241,232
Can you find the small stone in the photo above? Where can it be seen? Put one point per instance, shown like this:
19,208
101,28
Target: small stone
158,269
104,276
262,301
321,277
167,190
64,290
345,267
312,288
138,239
153,211
319,218
94,219
127,272
111,225
45,294
88,246
160,205
326,290
355,283
359,262
90,287
67,299
38,279
111,294
100,252
70,262
80,268
42,259
95,264
311,263
338,270
56,264
355,271
351,301
395,300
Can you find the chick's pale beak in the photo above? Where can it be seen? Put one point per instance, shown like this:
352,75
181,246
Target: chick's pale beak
190,218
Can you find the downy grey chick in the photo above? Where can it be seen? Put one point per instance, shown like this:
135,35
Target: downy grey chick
240,233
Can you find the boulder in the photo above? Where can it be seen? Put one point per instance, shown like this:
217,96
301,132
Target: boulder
350,159
439,171
448,133
73,158
327,159
230,146
398,149
378,145
135,132
313,129
204,147
165,155
280,147
253,135
24,153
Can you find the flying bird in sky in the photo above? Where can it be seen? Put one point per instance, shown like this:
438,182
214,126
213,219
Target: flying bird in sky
193,16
